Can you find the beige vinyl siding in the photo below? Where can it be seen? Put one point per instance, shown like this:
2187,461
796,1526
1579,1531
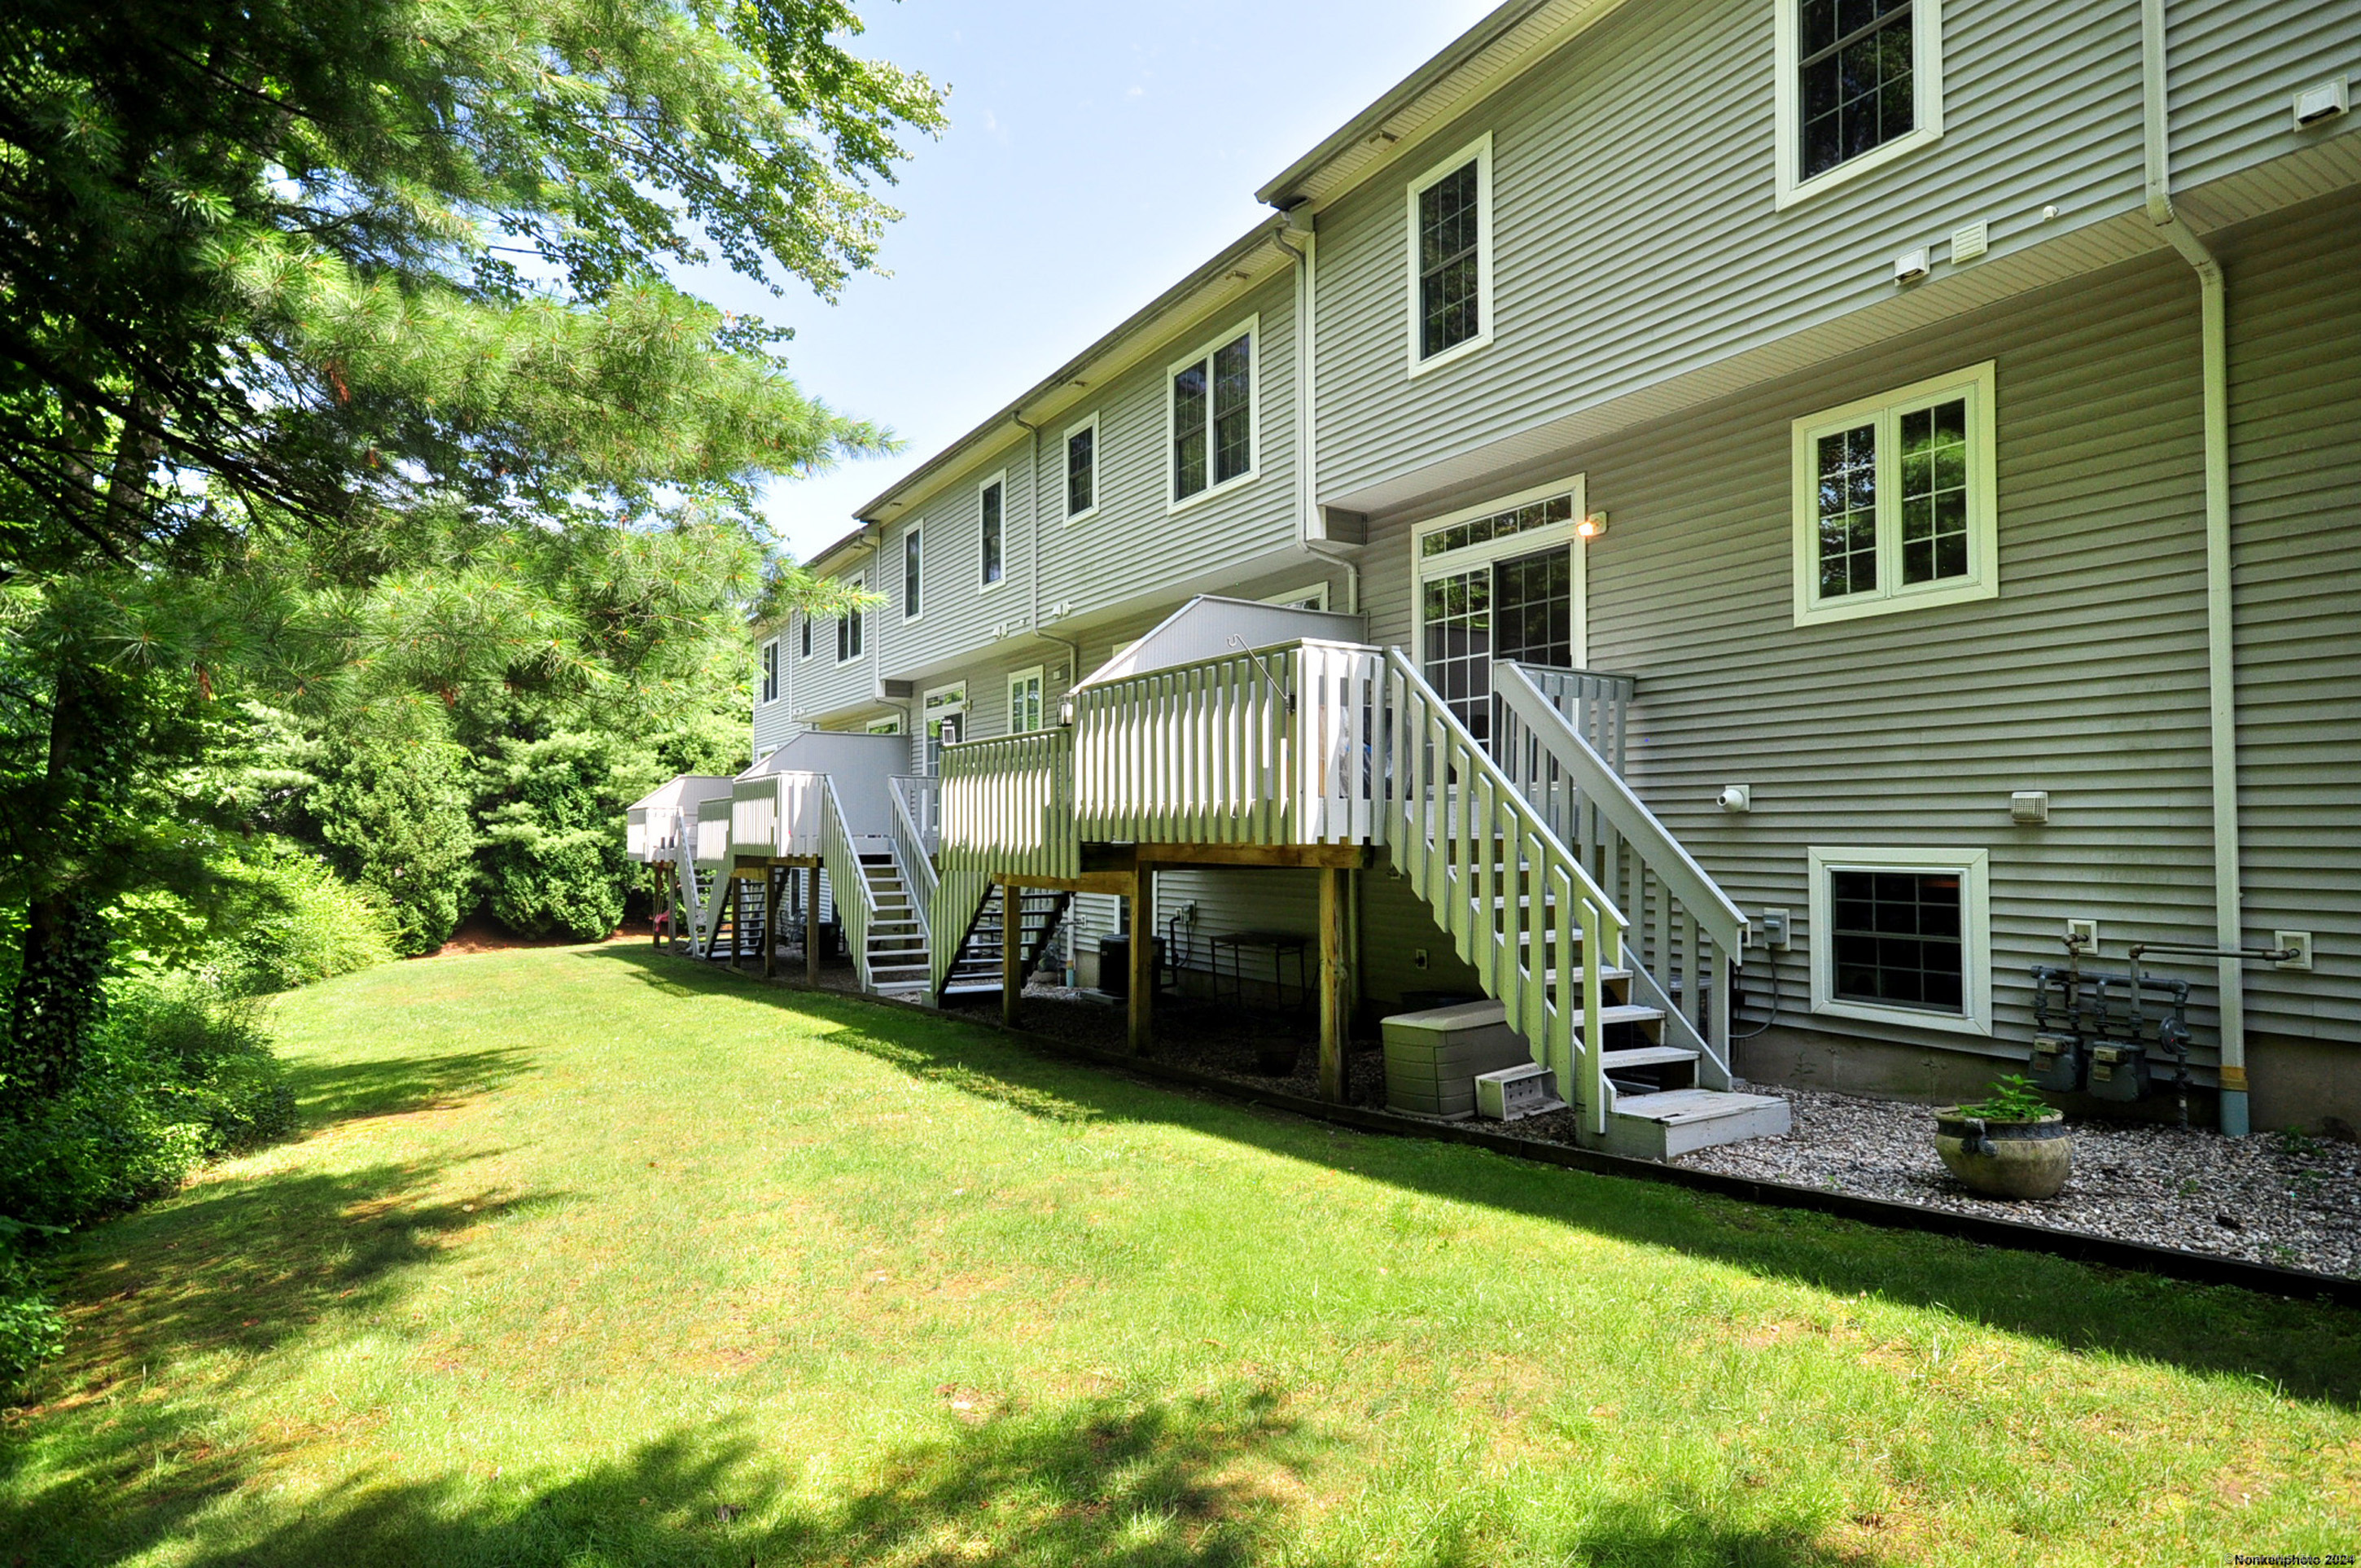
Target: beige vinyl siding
2295,358
1636,236
2236,68
2085,677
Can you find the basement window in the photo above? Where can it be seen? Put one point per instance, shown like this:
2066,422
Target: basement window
1893,505
1210,415
1450,257
1902,935
1861,83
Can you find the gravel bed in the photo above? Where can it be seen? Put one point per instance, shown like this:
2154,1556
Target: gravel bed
2270,1198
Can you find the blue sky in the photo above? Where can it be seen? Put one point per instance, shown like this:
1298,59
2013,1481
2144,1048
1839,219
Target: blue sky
1096,152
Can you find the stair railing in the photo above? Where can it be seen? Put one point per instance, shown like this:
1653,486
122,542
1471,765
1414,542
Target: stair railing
1683,923
911,856
1518,904
1597,703
856,901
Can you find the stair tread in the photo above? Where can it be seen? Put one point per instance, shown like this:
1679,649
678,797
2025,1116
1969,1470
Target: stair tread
1645,1056
1678,1105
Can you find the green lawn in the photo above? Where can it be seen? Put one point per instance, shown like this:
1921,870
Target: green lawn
588,1257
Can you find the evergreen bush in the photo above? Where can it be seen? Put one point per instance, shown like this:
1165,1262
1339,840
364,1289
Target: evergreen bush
392,808
553,858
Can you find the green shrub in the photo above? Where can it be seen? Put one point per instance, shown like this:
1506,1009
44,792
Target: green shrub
179,1071
31,1329
392,806
553,858
300,922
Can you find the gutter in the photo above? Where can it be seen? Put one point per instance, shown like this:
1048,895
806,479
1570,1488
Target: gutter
2220,652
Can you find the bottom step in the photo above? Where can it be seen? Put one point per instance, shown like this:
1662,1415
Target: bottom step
1681,1121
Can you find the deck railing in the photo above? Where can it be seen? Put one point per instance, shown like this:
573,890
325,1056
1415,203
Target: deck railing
1682,922
713,832
776,814
1596,705
1266,747
1518,906
856,901
651,835
1007,810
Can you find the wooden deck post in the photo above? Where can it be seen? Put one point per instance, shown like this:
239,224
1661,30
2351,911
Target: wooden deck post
811,926
1335,985
1143,962
773,881
1012,952
662,929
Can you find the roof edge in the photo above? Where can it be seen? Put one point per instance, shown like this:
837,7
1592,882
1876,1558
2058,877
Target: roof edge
1204,273
1451,56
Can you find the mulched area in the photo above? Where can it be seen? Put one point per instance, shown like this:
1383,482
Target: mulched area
480,933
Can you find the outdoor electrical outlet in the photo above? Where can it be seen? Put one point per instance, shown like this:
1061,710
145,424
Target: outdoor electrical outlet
2087,930
2300,941
1774,929
1418,958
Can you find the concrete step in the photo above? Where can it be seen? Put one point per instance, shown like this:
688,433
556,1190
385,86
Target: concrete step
1678,1120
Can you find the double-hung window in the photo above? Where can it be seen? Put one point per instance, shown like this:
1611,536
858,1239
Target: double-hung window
1902,936
1450,257
913,550
991,510
1860,83
806,637
1211,415
771,671
1025,700
1894,501
1082,469
849,626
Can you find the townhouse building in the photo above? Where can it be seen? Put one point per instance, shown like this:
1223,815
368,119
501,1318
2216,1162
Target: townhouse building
1754,519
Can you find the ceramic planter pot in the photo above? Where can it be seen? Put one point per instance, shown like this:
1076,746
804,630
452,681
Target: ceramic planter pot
2006,1160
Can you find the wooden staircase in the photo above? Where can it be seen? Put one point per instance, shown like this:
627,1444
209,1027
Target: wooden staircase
895,944
1549,944
976,968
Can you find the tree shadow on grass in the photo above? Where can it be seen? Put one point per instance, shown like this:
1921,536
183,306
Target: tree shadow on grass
391,1086
1217,1478
2306,1350
229,1269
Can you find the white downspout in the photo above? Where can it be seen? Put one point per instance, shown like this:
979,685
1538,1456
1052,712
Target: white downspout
1307,409
2220,652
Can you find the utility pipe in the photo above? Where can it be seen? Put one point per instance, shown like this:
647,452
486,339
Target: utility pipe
2221,652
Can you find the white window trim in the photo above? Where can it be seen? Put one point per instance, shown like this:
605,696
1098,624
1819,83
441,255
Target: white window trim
1252,328
917,531
1480,149
1926,88
1974,870
771,676
890,726
1453,561
1016,678
846,654
1001,479
1294,596
1982,581
1065,446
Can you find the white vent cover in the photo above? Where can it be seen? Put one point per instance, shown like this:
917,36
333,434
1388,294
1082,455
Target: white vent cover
2322,100
1969,241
